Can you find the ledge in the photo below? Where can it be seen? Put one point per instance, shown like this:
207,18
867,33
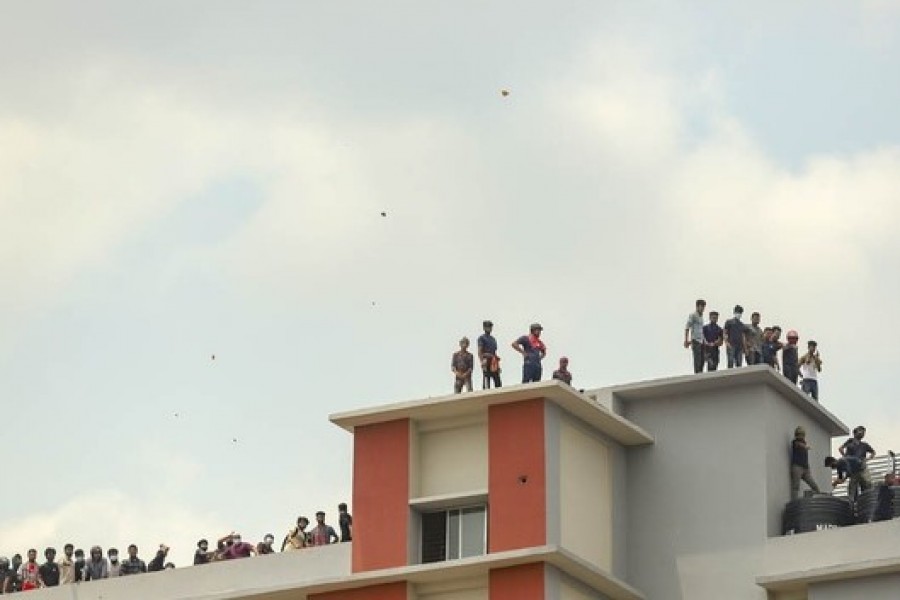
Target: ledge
456,405
743,376
465,568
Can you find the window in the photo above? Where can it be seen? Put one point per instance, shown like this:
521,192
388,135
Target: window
455,533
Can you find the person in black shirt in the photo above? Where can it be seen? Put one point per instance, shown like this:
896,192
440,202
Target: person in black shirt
265,546
50,570
800,464
884,505
159,561
345,522
201,554
713,338
771,346
132,564
80,564
790,357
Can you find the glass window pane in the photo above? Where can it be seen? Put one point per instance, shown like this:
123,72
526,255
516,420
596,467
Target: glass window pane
473,526
453,534
434,537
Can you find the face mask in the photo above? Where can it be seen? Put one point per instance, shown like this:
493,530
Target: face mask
738,315
114,557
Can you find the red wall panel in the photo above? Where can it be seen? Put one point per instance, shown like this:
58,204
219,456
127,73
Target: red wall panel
525,582
380,495
517,478
387,591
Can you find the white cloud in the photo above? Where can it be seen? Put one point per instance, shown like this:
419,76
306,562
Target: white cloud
112,518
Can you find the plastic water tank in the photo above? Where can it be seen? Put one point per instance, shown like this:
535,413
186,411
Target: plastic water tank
865,504
817,512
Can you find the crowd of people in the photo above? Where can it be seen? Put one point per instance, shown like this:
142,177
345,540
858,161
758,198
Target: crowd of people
758,345
530,346
73,567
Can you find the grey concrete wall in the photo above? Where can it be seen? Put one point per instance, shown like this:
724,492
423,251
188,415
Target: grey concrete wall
697,515
781,418
879,587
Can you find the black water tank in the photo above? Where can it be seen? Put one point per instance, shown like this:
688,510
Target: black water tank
865,504
815,513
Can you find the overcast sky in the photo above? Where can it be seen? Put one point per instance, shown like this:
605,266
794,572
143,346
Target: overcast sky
186,179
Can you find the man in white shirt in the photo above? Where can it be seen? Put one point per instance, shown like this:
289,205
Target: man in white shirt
810,366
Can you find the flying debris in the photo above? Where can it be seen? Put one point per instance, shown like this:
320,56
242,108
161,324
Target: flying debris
213,357
383,214
504,93
234,440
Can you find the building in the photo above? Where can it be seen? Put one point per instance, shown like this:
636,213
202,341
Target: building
670,489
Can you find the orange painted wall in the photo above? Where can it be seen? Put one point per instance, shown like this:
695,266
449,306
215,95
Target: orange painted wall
380,495
517,510
387,591
525,582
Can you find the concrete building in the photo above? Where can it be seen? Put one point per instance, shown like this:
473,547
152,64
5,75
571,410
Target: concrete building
666,490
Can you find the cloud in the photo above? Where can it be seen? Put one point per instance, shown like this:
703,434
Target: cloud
112,518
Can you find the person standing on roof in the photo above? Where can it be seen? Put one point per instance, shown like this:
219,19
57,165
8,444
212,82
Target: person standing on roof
693,334
734,338
810,366
462,363
533,352
754,339
790,366
712,340
800,464
487,354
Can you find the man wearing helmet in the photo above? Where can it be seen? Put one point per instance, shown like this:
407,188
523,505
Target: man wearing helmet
800,464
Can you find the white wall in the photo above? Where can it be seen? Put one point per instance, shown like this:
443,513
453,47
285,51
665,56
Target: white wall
585,494
452,458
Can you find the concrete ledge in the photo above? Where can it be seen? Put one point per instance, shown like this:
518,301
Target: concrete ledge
718,380
794,562
456,405
465,568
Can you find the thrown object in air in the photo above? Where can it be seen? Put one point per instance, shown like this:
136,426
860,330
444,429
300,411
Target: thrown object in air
504,93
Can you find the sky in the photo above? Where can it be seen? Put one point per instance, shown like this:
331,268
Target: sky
183,180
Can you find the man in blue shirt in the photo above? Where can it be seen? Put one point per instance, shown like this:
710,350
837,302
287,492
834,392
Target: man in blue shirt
712,340
847,466
487,354
533,351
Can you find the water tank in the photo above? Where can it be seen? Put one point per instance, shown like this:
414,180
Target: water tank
865,504
817,512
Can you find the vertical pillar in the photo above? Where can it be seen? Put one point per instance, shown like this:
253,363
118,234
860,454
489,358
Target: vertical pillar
380,495
517,476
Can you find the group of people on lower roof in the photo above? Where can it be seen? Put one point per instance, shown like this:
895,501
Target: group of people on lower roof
851,467
758,345
19,576
530,346
73,567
